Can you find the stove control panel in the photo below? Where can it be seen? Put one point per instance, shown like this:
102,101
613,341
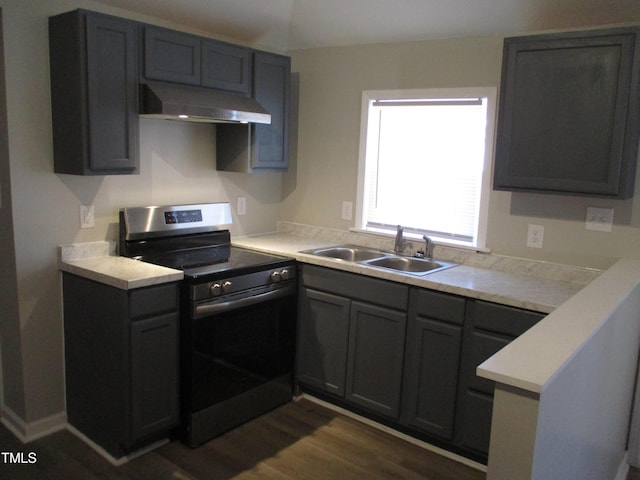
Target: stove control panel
237,284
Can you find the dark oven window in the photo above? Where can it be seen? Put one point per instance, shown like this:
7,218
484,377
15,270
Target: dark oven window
236,351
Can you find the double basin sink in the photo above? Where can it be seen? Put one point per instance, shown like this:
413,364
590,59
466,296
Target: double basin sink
381,259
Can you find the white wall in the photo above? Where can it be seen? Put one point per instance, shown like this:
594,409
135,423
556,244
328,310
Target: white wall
177,166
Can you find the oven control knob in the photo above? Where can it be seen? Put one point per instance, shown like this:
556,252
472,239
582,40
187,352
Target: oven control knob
226,287
275,276
215,289
284,274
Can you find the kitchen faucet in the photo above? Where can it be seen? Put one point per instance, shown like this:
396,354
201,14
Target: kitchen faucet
401,243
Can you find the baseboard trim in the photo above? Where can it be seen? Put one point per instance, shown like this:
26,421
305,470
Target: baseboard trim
29,431
623,468
106,455
400,435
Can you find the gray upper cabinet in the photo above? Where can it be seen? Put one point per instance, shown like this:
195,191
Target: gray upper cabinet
226,67
171,56
261,147
179,57
94,101
272,89
569,114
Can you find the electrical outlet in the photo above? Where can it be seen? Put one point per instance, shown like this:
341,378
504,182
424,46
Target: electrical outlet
535,235
599,219
347,210
242,205
87,216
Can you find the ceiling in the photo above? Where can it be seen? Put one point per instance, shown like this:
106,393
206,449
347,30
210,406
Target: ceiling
287,25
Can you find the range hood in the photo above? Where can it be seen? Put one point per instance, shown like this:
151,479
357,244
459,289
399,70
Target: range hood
180,102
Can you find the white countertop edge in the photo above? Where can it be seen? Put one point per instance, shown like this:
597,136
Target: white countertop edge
533,360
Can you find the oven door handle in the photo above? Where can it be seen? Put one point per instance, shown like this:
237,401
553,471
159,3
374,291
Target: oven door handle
205,309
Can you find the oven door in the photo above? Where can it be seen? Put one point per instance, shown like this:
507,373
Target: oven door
237,361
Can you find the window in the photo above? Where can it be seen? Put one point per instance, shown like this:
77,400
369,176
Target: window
425,163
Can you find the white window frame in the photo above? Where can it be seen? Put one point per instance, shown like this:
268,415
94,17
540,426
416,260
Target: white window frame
490,93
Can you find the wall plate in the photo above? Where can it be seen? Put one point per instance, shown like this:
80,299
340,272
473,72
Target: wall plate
599,219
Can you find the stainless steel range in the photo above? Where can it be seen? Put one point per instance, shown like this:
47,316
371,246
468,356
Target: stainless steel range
238,314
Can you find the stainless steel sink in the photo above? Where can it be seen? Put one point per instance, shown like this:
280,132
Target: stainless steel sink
349,253
413,265
380,259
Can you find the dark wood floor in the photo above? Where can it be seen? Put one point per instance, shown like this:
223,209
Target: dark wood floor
301,440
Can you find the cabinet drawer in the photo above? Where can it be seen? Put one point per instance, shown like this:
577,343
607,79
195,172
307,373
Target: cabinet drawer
438,306
502,319
154,300
356,287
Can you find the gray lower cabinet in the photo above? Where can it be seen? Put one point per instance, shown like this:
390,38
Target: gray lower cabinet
488,328
323,341
121,362
374,361
432,361
351,338
404,355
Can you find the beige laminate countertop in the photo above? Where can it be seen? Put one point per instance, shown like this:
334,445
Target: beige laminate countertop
96,261
507,288
524,284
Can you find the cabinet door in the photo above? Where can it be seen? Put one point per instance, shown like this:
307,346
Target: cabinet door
112,93
154,375
376,352
226,67
94,85
568,120
489,327
431,375
271,88
323,333
476,397
432,360
172,56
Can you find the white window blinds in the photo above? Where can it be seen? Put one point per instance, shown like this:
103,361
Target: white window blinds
424,163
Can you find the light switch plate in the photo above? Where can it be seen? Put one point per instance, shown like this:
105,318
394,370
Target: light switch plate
242,205
347,210
599,219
